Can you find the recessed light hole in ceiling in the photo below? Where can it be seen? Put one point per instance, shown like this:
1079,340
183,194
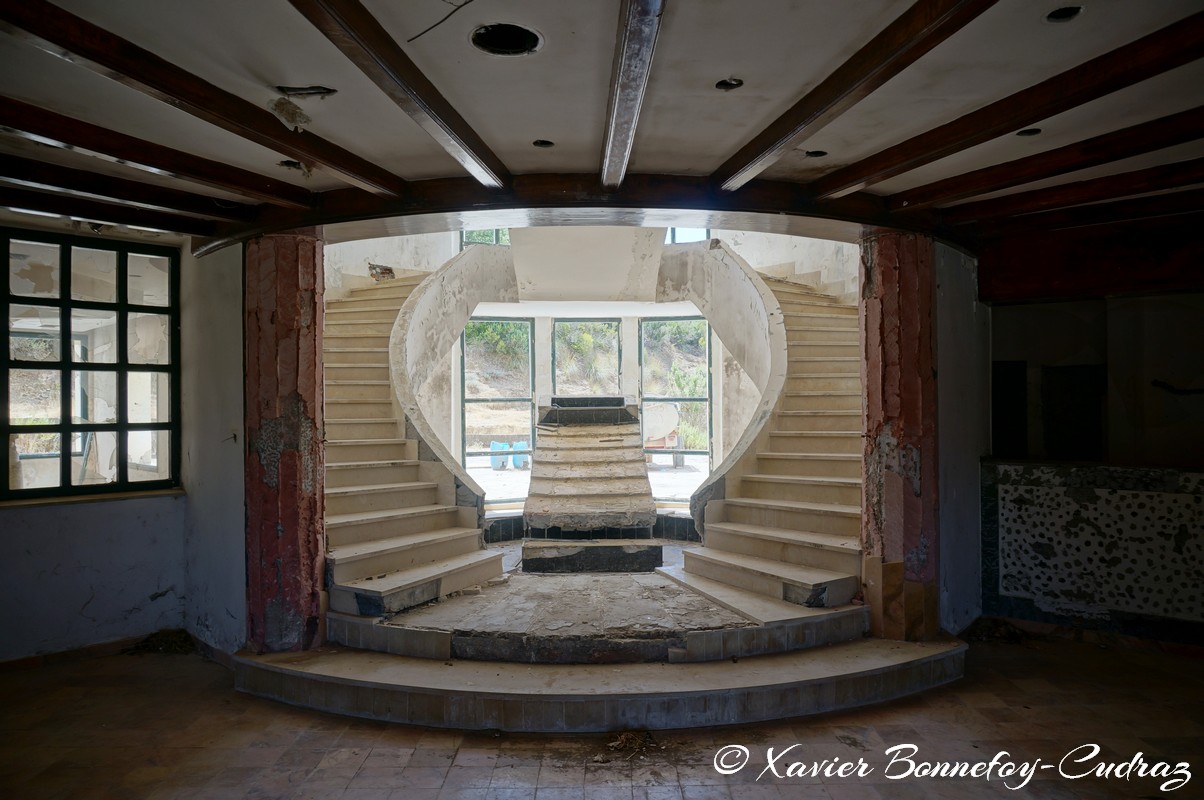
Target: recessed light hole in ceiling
1064,14
1028,132
815,153
306,91
504,39
727,84
543,143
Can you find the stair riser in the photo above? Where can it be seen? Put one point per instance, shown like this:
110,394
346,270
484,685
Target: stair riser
382,529
807,319
380,501
383,328
367,410
839,591
343,600
357,372
818,422
832,336
406,559
815,383
359,476
821,402
381,393
362,310
374,356
835,444
382,291
791,519
813,308
385,429
810,492
802,554
342,453
809,467
817,349
375,341
824,366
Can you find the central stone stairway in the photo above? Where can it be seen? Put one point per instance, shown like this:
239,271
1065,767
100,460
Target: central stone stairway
395,536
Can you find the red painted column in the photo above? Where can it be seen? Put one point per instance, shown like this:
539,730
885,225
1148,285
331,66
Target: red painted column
286,543
900,535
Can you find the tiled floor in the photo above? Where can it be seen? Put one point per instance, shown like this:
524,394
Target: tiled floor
170,726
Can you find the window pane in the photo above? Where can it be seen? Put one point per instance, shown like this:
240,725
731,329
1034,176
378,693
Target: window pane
497,426
37,460
676,426
497,358
33,269
587,358
34,333
149,339
682,235
148,284
676,476
93,396
503,236
94,275
149,455
148,397
33,396
93,458
93,336
479,237
675,358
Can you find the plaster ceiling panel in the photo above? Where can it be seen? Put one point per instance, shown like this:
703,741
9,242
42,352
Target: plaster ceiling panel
558,93
249,48
1169,93
780,48
1010,47
41,79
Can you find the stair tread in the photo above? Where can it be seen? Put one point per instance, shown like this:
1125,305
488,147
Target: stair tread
828,541
364,382
368,441
369,516
820,412
750,605
816,393
816,433
393,462
355,552
801,456
821,358
401,579
381,487
836,509
790,573
805,479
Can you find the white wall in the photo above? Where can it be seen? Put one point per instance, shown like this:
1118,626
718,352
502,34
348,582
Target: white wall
213,447
347,263
823,263
963,342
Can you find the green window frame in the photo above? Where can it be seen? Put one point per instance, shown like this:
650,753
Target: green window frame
132,381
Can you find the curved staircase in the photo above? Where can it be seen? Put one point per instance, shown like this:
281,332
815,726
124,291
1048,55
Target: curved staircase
395,536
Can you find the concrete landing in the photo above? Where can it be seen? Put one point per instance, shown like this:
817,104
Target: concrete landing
611,555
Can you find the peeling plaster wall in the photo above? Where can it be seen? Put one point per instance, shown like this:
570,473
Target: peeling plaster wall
346,264
212,455
963,332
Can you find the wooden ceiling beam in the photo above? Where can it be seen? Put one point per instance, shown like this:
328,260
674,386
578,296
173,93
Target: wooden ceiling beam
357,34
1171,204
69,37
915,32
46,127
639,26
103,213
1149,56
1145,137
1094,190
41,176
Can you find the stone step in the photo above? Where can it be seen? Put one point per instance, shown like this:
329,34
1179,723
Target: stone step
589,431
796,334
828,365
822,550
343,429
789,289
591,456
805,586
792,318
823,465
351,450
402,285
821,401
816,308
560,485
366,526
382,295
348,355
842,491
365,301
836,420
823,382
343,341
416,585
337,409
799,442
601,469
377,328
798,515
813,349
359,473
484,695
380,391
380,497
356,372
357,311
377,558
582,444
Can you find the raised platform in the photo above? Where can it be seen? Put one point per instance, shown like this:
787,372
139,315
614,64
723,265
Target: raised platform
610,555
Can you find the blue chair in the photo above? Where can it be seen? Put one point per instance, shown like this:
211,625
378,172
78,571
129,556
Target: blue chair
521,460
498,462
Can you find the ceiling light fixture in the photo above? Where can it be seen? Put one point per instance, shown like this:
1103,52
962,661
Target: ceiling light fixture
306,91
1063,14
1028,132
504,39
543,143
727,84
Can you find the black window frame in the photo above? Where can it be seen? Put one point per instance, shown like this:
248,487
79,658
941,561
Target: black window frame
66,428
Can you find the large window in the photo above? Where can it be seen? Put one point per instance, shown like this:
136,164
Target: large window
585,356
499,406
90,366
485,236
675,411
